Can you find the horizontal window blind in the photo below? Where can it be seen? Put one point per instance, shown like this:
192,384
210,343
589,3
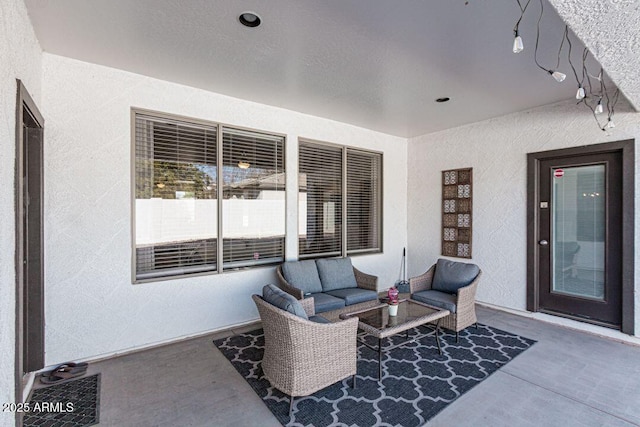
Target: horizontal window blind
320,200
364,175
253,217
175,192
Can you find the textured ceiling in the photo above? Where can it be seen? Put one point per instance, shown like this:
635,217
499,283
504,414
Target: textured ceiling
611,31
378,64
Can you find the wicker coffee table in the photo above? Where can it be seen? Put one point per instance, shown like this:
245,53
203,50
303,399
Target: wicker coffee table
377,322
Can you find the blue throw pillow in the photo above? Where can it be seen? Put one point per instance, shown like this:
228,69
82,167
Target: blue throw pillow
276,296
336,273
452,275
302,275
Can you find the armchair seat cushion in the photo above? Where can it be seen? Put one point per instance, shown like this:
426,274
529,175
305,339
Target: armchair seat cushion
302,275
325,302
318,319
336,273
452,275
437,298
279,298
354,295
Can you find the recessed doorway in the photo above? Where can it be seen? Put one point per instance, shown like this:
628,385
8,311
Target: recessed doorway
580,234
29,238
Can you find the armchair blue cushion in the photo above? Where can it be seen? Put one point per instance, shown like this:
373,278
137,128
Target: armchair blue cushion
336,273
279,298
437,299
452,275
303,275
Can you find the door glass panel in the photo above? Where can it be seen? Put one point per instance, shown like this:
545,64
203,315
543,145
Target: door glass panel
578,231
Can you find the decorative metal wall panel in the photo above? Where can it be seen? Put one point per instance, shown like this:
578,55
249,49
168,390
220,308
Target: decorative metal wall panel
457,196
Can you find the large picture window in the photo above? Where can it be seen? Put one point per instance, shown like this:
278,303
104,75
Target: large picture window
338,186
178,219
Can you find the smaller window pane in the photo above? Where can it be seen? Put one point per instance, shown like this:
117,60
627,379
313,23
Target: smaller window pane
319,200
253,208
364,173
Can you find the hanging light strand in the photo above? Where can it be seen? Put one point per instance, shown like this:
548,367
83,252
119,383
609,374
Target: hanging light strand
580,94
518,46
590,94
535,51
611,108
557,75
585,54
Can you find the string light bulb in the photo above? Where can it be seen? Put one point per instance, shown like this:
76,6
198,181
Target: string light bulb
518,46
610,124
580,94
599,109
558,76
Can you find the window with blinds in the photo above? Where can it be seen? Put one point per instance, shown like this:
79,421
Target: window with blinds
175,197
332,177
253,203
319,200
364,176
177,217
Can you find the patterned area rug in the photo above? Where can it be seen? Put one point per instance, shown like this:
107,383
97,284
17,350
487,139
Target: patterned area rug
73,403
417,382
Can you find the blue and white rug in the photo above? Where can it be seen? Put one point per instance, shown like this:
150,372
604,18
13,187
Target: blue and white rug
417,382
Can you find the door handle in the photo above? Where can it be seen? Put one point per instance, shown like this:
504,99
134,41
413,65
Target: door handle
543,243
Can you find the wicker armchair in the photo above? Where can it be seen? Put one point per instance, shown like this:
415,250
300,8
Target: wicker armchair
465,314
301,356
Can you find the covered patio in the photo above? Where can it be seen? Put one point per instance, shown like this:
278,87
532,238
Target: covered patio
161,159
568,378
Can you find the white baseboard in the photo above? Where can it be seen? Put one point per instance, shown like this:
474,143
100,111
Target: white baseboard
136,349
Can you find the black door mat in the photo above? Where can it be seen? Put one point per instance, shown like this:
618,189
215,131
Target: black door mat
73,403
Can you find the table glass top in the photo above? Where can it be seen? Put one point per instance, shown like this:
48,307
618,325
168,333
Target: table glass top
408,311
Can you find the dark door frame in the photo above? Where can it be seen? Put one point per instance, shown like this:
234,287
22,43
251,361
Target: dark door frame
627,148
23,101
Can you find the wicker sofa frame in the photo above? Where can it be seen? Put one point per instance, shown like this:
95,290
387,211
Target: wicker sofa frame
465,314
301,356
364,281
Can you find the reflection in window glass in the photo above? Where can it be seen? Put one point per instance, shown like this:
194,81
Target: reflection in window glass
253,207
579,227
176,206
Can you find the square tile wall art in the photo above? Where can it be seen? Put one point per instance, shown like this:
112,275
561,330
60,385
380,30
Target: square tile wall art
457,196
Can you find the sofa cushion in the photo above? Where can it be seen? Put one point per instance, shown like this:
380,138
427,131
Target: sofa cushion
437,298
451,275
279,298
325,302
336,273
318,319
302,275
354,295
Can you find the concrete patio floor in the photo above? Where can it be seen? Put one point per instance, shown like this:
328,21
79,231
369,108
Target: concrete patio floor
568,378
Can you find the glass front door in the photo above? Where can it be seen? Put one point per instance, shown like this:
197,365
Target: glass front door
579,244
578,212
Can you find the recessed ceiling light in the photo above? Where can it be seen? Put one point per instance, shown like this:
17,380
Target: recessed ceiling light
445,99
249,19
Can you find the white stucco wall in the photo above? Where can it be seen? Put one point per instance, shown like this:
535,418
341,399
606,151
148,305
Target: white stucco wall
20,58
91,307
496,150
